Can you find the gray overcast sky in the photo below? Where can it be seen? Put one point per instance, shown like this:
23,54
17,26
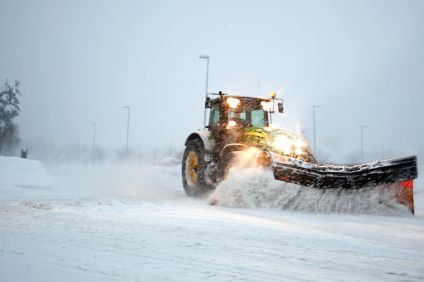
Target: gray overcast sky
82,61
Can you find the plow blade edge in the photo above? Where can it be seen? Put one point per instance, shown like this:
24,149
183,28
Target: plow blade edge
401,170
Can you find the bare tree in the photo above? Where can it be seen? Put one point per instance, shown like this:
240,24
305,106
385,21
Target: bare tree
9,109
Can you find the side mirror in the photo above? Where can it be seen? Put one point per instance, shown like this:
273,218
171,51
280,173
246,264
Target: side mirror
280,107
207,103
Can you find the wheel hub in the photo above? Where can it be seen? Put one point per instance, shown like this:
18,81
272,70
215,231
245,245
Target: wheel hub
192,164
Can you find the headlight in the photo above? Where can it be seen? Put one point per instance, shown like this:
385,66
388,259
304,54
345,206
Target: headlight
233,102
289,146
298,151
282,143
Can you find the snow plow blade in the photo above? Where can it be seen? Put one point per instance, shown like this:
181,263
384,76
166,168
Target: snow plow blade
401,171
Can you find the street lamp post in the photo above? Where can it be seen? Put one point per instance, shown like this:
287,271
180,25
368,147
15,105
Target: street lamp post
128,127
206,88
362,141
314,124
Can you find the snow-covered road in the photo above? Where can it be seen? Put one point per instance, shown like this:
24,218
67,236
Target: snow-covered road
132,222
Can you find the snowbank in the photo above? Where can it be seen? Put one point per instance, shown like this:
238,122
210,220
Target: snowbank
23,177
122,180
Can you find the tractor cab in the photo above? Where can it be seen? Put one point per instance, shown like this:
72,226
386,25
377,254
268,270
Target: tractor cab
232,116
236,112
235,119
230,111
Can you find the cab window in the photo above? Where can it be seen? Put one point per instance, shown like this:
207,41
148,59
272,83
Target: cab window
241,116
214,117
258,118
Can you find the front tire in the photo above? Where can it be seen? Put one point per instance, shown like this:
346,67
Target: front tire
193,169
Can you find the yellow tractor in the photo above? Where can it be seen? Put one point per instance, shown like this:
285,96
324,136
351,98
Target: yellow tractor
238,123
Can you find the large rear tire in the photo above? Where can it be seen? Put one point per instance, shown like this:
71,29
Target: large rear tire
194,169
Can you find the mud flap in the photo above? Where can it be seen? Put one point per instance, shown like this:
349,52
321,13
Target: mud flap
405,195
324,176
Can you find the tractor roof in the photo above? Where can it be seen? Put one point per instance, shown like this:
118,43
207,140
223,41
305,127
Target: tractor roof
243,98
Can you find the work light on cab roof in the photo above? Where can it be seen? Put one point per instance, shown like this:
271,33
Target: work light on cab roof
233,102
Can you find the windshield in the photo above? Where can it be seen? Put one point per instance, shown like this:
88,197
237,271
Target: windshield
251,117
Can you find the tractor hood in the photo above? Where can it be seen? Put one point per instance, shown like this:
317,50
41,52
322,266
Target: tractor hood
276,140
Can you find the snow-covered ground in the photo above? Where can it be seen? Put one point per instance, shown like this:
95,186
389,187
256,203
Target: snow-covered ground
133,222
